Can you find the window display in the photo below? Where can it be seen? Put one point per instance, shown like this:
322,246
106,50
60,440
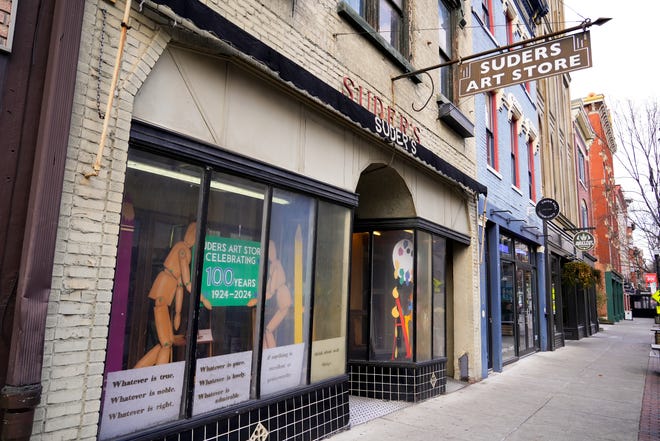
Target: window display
392,295
287,294
332,259
439,297
424,297
406,294
230,282
360,296
153,281
200,321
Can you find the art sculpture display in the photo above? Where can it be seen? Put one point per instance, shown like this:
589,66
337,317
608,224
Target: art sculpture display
169,287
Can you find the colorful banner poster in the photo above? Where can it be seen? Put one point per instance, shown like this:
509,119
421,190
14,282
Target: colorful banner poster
222,381
139,398
328,358
231,270
281,368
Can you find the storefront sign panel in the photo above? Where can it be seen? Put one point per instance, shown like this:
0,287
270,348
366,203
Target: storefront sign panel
584,241
328,358
139,398
231,269
281,368
527,64
222,381
547,209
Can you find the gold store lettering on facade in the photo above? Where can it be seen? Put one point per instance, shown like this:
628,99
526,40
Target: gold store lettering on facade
386,113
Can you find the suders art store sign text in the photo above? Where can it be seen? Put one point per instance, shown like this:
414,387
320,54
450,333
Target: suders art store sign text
530,63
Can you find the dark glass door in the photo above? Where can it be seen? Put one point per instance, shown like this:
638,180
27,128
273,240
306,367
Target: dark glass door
526,308
508,311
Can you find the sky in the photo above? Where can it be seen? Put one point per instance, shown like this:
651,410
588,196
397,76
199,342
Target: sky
625,59
625,56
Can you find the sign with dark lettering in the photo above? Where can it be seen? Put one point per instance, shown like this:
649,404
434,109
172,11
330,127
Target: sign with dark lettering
281,368
584,241
527,64
231,269
139,398
547,209
221,381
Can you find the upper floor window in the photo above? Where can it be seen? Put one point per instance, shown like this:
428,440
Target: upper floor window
385,16
446,34
509,30
531,179
491,130
515,175
486,18
584,213
580,167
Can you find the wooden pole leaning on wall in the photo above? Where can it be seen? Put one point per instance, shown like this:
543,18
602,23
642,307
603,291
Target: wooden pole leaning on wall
111,93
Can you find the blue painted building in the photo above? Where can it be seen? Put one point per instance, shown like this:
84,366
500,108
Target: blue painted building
506,141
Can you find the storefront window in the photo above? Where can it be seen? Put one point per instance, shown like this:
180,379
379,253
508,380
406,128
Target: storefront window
506,247
439,297
287,292
200,312
330,283
392,295
151,296
398,289
424,297
522,252
360,295
229,290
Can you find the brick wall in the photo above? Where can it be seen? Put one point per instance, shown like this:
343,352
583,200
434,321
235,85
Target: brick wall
79,306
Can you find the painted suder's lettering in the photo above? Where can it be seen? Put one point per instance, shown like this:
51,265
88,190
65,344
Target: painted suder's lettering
386,114
394,134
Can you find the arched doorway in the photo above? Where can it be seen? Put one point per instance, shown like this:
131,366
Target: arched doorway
398,291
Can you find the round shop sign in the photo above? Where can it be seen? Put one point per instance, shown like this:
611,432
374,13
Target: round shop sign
584,241
547,209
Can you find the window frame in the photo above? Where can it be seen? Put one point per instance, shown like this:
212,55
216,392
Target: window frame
486,16
515,154
367,230
165,146
361,25
445,53
491,130
531,171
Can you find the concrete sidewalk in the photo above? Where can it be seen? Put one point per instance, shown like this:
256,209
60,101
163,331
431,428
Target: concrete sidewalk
591,389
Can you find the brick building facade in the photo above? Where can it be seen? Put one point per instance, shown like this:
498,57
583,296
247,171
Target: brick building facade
277,130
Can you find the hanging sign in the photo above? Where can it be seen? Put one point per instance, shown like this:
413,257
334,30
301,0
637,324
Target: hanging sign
584,241
527,64
547,209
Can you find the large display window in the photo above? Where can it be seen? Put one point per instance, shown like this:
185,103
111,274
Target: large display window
330,300
226,290
398,289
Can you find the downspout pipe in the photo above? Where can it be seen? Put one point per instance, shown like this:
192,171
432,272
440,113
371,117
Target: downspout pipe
96,167
22,390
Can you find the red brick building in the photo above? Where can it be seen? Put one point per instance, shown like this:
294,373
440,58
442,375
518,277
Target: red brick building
606,207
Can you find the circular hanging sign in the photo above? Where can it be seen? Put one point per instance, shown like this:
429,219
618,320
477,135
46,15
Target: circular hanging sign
584,241
547,209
